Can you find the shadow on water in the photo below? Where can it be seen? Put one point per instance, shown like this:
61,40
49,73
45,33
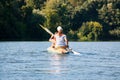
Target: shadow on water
90,54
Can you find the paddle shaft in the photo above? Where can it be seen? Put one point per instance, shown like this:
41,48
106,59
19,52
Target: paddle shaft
47,30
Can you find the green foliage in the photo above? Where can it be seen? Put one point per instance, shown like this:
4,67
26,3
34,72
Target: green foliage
81,19
50,13
72,35
90,31
85,12
56,13
115,33
36,4
18,22
110,15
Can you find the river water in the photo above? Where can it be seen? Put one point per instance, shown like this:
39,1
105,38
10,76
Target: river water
31,61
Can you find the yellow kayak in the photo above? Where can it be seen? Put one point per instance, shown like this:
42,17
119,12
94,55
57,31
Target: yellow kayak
57,50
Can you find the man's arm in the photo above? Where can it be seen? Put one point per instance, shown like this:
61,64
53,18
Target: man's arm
66,41
52,39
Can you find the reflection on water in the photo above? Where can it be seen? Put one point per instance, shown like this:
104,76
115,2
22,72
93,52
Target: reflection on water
31,61
56,62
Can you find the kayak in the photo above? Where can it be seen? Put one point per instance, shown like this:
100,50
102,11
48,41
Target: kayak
57,51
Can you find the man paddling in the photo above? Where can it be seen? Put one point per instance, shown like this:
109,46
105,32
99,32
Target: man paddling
59,39
55,48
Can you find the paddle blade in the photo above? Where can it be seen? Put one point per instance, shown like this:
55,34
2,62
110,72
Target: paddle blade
76,53
47,30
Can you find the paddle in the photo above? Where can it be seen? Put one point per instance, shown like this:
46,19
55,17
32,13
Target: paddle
48,31
77,53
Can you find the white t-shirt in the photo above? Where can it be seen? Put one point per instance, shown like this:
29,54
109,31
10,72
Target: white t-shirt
60,40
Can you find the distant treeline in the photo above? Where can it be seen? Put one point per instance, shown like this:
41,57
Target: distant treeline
82,20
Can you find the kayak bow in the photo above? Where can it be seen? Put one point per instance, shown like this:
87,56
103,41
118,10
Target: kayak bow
57,51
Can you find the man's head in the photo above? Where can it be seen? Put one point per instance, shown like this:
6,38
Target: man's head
59,29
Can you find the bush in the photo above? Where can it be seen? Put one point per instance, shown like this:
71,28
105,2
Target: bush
72,35
90,31
115,33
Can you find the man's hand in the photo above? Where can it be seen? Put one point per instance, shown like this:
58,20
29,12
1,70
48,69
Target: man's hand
52,36
67,46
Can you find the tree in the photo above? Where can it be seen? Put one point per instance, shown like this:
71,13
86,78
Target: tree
56,13
115,33
18,22
90,31
85,12
20,19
